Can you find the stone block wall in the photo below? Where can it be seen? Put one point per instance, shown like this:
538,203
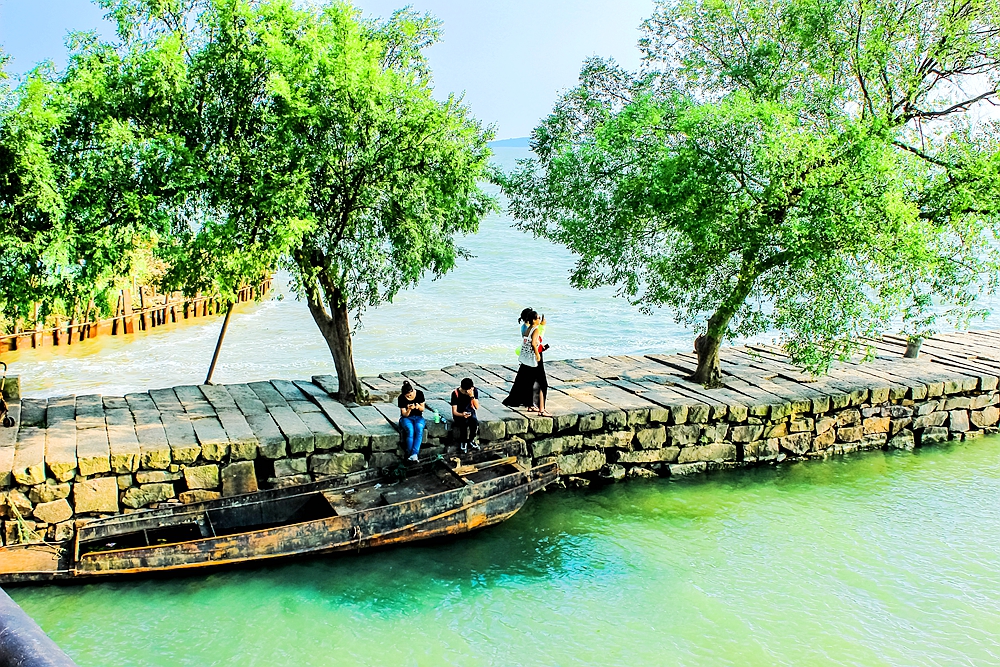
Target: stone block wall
90,456
648,443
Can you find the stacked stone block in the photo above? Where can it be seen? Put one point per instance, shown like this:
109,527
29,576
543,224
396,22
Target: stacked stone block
74,458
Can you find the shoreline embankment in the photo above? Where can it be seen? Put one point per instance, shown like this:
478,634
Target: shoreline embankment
144,312
72,458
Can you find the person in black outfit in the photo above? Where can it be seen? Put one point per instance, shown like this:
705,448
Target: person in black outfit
531,386
464,403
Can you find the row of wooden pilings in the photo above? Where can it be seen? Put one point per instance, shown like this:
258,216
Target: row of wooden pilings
152,310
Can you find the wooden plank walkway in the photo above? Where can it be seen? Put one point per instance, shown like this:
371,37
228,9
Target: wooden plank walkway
162,429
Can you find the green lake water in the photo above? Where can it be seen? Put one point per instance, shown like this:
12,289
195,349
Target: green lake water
872,559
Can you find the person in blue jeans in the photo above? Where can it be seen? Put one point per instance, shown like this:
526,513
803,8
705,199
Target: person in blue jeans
411,419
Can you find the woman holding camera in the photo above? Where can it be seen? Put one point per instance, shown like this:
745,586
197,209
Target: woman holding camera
530,384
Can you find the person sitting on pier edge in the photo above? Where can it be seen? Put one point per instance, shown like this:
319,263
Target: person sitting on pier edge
464,403
411,419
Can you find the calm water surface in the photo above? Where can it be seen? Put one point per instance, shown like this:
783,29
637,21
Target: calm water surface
875,559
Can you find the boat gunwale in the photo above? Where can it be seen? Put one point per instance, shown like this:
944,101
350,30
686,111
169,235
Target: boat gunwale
548,468
264,495
340,546
421,499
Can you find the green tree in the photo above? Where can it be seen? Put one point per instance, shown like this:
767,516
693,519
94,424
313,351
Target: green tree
314,135
393,173
804,165
81,204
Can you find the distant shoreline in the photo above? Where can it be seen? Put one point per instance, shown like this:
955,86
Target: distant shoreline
519,142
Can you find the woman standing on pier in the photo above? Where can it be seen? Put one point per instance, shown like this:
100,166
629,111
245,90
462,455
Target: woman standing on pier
411,419
530,384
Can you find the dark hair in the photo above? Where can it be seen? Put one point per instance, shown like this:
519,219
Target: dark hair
528,315
407,387
467,384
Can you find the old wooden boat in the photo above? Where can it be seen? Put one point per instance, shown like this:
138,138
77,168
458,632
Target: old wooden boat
348,513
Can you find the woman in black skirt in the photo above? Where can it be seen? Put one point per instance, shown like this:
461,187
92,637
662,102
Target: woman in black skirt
530,384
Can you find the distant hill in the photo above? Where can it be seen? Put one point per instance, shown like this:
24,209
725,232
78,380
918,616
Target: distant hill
520,142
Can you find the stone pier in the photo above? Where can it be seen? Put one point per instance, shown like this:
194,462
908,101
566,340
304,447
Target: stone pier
71,458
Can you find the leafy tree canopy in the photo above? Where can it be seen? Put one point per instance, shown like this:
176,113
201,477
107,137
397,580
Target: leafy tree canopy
811,166
82,199
313,135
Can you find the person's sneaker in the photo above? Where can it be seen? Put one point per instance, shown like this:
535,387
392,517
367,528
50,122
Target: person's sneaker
474,444
463,447
413,458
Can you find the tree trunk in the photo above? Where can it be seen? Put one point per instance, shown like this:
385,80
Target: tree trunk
708,373
335,326
913,344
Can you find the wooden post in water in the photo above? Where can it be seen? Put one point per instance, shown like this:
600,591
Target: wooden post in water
218,344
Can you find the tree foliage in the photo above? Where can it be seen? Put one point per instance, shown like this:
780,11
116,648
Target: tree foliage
227,136
82,199
813,167
393,173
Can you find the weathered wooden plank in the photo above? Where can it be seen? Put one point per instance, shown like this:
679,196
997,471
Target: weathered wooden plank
184,447
93,451
211,436
246,400
29,456
300,438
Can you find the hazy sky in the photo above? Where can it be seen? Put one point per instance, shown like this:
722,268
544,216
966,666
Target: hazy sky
510,57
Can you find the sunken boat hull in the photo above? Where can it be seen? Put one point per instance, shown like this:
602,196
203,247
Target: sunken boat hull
338,515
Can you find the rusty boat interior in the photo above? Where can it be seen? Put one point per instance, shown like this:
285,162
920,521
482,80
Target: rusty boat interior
345,513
